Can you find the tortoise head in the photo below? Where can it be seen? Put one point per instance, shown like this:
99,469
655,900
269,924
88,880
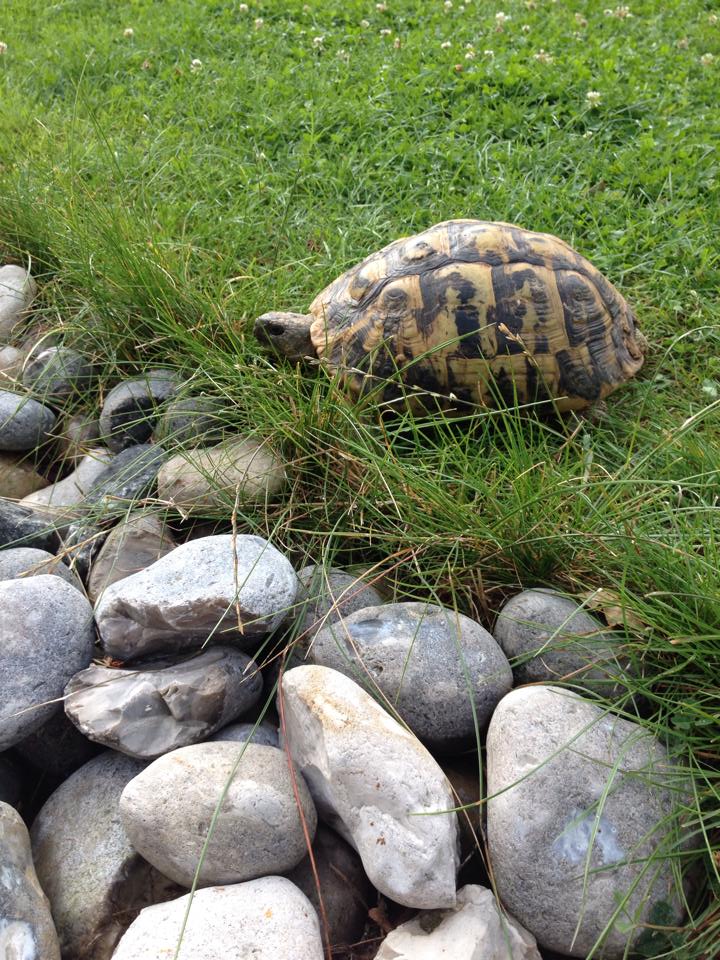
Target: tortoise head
286,333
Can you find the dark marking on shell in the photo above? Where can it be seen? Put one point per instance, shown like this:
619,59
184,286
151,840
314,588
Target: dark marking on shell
575,379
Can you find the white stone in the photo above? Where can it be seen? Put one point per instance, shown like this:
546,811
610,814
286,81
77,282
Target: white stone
375,784
17,288
474,929
59,497
267,919
224,586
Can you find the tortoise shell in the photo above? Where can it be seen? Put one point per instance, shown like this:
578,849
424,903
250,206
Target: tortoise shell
480,312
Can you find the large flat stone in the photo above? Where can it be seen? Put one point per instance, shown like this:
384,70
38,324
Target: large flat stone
221,587
375,784
131,546
579,821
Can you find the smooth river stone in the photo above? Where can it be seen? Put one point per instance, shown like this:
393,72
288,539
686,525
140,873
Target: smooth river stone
21,526
24,423
223,586
17,562
325,595
131,408
188,421
167,811
56,373
440,671
375,784
46,635
158,707
66,496
94,879
17,289
266,919
18,478
264,734
131,546
474,929
213,478
550,638
26,927
580,801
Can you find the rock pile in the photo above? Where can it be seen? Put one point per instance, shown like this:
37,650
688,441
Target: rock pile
301,799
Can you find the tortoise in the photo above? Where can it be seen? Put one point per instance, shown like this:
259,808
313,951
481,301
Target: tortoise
469,311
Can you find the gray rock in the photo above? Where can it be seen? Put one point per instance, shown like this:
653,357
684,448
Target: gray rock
440,671
474,929
327,594
167,812
131,546
20,526
157,707
24,423
16,562
65,498
26,927
223,586
57,748
46,635
95,881
375,784
77,434
213,478
11,780
266,919
550,638
265,734
11,361
188,421
131,408
57,372
18,478
17,289
129,476
579,808
346,892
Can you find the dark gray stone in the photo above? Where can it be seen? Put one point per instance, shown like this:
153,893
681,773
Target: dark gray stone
160,706
24,423
131,408
549,638
346,892
266,735
167,810
46,636
188,421
430,664
26,927
21,526
129,477
580,819
57,372
95,881
16,562
131,546
11,780
327,594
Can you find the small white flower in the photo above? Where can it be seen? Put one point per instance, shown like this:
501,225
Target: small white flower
306,8
542,56
259,23
385,33
243,8
712,19
489,54
3,48
381,7
364,24
621,13
683,43
196,65
525,28
593,97
461,8
607,12
318,41
129,33
587,135
470,55
343,55
397,43
707,59
446,44
458,68
501,17
448,5
580,20
530,4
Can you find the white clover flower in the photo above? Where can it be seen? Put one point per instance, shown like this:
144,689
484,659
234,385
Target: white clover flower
318,41
196,65
381,7
501,17
712,19
458,68
243,8
707,59
587,135
259,23
306,8
530,4
461,8
448,5
621,12
397,43
364,24
542,56
489,54
3,48
128,32
525,28
580,20
385,32
683,43
593,97
446,44
470,55
342,54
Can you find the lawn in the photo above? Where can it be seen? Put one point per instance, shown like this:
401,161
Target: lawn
174,170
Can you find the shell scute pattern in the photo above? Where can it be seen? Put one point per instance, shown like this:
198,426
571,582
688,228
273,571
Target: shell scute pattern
485,311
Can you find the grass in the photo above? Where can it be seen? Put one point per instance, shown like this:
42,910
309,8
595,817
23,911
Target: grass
164,206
